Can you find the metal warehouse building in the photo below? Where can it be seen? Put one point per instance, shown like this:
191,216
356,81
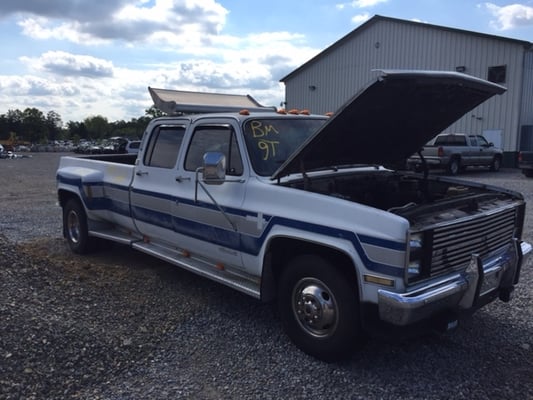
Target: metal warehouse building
332,77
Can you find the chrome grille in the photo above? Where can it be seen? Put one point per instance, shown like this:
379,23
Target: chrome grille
454,244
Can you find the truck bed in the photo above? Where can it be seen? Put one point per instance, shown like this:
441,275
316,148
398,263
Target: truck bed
113,158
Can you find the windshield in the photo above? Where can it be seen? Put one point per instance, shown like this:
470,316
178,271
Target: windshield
271,141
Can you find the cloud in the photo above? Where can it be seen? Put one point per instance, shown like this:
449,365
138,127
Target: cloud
360,18
174,44
65,64
36,86
90,22
511,16
79,10
76,85
21,92
360,4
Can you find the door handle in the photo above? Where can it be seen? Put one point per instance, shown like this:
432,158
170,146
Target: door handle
141,173
182,178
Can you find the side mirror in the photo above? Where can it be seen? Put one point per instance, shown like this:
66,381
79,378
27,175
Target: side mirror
214,168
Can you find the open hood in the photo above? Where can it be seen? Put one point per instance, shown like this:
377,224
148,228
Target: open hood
390,120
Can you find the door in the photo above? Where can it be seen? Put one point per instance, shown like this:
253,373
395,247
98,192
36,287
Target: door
486,151
207,217
474,151
152,194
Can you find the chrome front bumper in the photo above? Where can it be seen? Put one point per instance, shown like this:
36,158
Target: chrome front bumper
460,291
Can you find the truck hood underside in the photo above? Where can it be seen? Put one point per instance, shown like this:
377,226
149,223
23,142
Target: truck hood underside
390,120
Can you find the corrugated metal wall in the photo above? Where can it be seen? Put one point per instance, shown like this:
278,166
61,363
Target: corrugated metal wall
332,78
526,117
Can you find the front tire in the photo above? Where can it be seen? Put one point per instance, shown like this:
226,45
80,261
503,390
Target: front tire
75,227
496,164
319,308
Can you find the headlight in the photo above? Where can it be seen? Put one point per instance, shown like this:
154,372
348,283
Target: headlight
414,267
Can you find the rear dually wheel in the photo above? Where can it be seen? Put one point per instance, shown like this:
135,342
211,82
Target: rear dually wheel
75,227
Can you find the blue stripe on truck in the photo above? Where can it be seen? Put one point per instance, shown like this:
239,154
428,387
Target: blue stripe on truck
228,238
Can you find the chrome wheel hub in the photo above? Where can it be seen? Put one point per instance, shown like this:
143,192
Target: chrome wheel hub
73,227
315,307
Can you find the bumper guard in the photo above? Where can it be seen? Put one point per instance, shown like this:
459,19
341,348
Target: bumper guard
460,291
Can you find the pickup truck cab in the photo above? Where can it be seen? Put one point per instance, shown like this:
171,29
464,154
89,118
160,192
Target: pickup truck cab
457,151
295,208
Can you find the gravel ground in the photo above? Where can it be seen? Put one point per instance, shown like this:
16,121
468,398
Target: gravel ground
122,325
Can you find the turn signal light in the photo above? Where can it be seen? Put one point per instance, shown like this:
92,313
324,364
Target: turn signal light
379,280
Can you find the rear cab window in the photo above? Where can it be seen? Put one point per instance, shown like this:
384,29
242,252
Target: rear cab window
450,140
163,147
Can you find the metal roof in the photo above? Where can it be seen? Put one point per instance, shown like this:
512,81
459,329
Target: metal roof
180,101
378,18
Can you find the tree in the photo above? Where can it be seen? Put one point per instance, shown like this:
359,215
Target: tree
53,123
33,126
153,112
97,127
4,127
76,130
10,122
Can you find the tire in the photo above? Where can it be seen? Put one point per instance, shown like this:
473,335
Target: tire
319,308
75,227
454,166
496,164
528,173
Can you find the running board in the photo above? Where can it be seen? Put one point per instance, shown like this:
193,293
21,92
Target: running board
244,284
201,268
115,236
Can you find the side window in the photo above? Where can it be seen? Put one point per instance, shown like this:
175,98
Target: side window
450,140
440,140
460,140
162,150
473,141
482,141
214,138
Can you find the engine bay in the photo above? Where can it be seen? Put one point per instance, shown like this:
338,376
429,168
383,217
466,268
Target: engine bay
419,199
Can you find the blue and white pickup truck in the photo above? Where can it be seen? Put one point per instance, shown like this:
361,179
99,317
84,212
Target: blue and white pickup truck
299,208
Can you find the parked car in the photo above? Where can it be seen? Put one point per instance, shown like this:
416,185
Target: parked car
129,147
457,151
525,163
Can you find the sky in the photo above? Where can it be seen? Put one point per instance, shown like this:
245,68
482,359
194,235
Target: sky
82,58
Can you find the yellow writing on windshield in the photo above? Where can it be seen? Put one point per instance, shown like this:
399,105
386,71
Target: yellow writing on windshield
261,132
268,147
